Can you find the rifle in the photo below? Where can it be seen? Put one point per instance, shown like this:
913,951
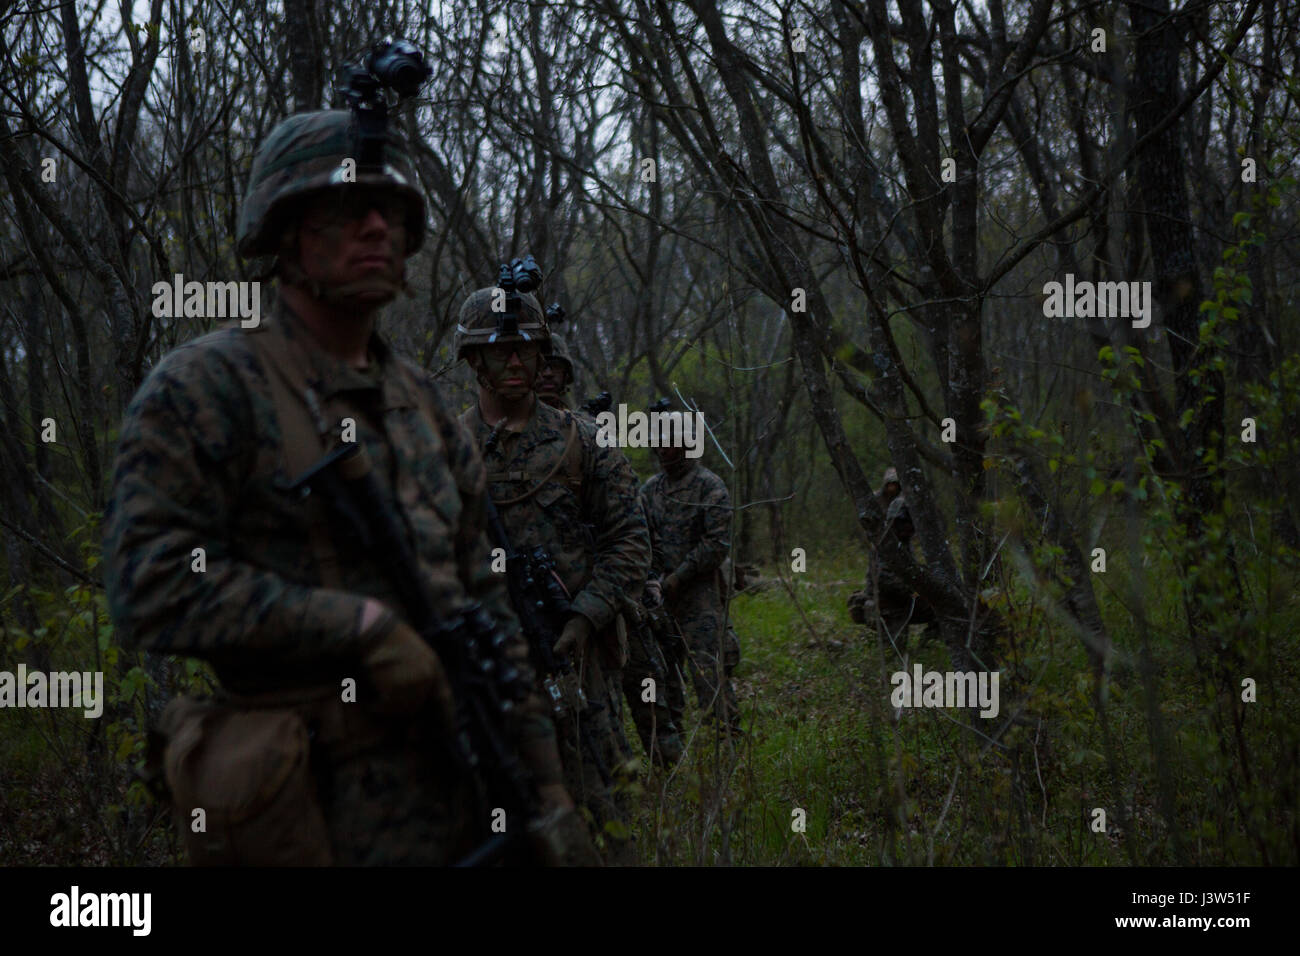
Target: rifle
542,604
665,628
638,617
472,647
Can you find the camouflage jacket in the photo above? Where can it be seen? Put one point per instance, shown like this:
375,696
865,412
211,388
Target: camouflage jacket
591,526
890,583
690,523
200,464
567,406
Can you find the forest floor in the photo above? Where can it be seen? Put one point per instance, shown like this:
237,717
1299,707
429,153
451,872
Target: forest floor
829,773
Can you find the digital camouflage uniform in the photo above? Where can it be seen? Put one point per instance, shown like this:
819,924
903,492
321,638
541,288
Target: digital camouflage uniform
202,463
597,537
645,657
898,605
862,601
199,466
689,517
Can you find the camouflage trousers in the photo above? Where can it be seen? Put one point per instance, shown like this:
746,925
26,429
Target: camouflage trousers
655,724
391,793
593,748
701,615
396,807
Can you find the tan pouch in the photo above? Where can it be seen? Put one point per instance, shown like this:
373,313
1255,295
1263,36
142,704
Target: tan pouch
249,772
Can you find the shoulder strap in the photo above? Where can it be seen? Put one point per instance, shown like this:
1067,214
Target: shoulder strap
570,445
573,456
300,437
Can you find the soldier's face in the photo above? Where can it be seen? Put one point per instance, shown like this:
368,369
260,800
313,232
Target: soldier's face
354,235
891,491
671,456
510,367
552,380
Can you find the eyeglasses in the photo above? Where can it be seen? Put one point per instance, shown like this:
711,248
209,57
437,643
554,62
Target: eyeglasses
498,353
341,207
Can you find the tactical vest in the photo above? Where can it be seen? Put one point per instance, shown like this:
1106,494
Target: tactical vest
303,429
250,760
613,639
571,460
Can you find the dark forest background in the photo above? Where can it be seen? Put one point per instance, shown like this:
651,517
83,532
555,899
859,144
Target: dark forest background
829,224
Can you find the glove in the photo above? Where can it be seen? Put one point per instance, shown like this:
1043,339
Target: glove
405,672
653,595
560,838
574,637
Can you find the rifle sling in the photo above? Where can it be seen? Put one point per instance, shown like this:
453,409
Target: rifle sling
302,434
573,470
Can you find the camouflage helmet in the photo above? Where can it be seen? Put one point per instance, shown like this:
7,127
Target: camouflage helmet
305,153
560,354
479,324
890,477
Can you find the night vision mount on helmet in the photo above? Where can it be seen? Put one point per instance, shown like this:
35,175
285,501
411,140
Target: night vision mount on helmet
507,312
396,65
309,152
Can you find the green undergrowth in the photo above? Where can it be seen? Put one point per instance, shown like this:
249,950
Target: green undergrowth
939,787
1184,772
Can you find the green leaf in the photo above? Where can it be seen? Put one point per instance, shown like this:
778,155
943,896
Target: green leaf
123,748
617,829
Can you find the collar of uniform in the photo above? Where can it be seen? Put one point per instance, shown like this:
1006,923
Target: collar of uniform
545,424
330,376
686,470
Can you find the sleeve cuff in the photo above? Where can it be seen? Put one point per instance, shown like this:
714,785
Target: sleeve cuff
594,609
